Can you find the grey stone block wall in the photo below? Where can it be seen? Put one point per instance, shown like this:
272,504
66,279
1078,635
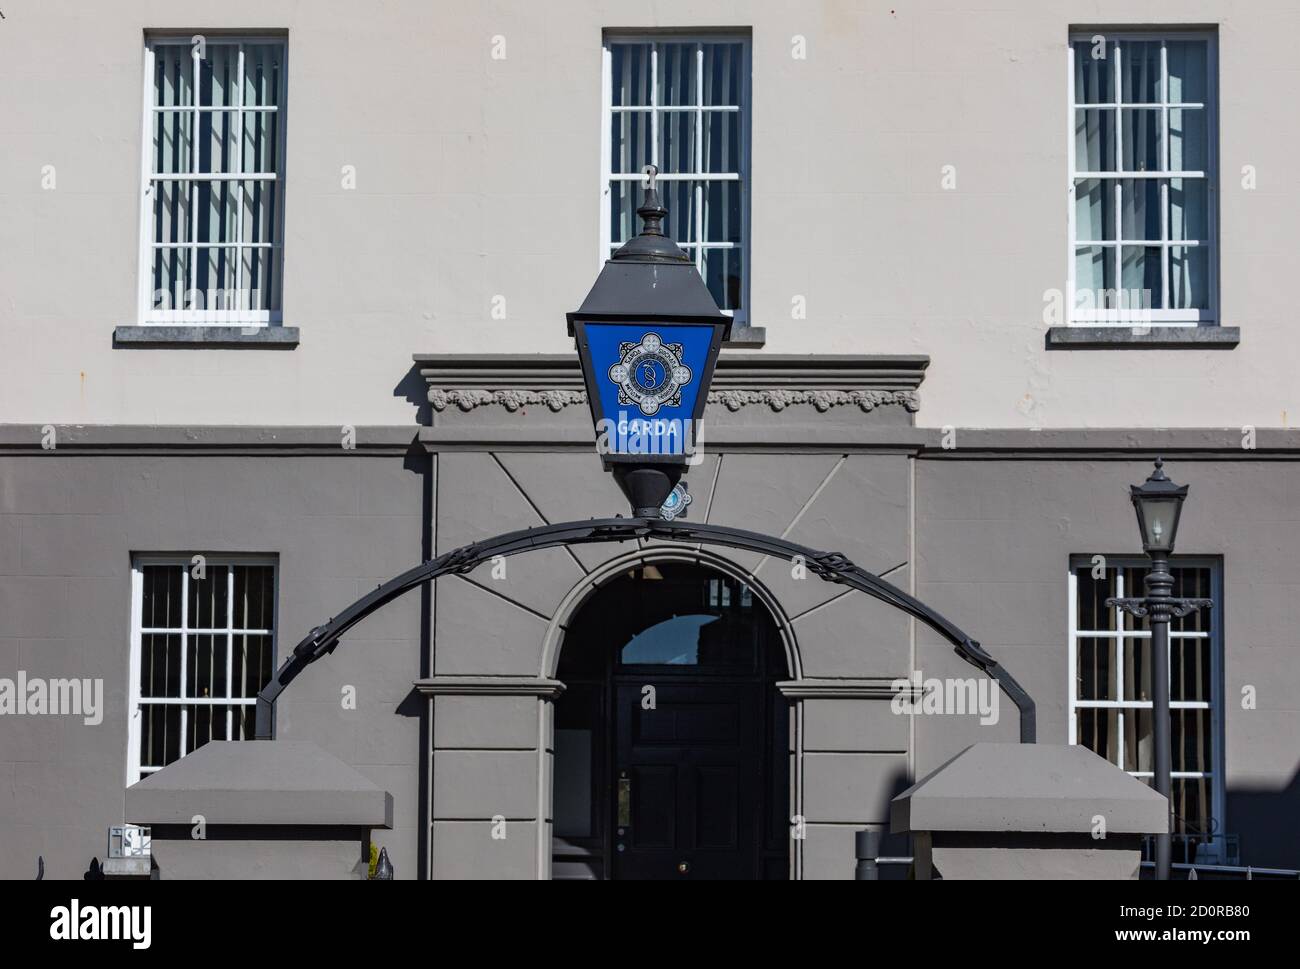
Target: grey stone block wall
339,523
994,540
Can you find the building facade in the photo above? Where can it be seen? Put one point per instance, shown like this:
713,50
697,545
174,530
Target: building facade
282,306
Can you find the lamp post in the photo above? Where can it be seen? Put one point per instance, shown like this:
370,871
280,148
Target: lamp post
648,336
1158,503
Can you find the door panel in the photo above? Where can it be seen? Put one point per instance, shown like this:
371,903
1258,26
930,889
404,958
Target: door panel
693,765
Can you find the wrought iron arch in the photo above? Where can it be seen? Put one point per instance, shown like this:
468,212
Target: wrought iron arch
830,566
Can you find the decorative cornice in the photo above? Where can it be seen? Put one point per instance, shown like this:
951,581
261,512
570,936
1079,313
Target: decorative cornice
733,400
512,400
490,686
778,381
822,400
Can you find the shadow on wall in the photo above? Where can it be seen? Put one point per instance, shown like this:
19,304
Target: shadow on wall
1265,820
891,845
415,389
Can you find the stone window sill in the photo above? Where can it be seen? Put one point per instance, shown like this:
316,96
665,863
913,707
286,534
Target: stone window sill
1143,338
200,337
747,337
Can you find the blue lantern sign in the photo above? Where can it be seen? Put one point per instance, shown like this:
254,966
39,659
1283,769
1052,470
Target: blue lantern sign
648,337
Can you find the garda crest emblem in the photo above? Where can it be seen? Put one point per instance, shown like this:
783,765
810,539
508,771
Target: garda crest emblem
650,374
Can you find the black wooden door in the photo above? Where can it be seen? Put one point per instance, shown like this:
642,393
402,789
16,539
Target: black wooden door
688,790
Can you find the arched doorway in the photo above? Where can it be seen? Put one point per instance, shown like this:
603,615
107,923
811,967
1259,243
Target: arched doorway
672,744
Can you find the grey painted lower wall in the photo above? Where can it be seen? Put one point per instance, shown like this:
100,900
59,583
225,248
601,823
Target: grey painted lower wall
69,524
984,536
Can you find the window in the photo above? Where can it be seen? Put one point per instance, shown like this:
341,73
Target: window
1110,690
682,105
1143,212
211,225
202,646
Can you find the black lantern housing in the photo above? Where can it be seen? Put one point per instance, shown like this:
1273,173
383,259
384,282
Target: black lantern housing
648,337
1158,503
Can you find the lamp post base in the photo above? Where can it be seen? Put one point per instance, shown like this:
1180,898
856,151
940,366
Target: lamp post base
647,488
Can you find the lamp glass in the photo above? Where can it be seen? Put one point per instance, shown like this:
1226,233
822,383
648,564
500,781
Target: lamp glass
1158,518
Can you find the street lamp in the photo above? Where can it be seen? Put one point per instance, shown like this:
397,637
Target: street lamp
648,336
1158,503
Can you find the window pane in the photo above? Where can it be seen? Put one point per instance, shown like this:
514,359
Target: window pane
1189,277
171,211
1094,72
262,69
171,278
1189,740
629,148
205,666
160,735
1094,140
630,73
1189,209
216,285
219,75
162,596
173,75
722,73
1139,742
677,141
1096,676
1140,276
216,211
1090,597
171,142
259,147
1140,71
208,598
1137,670
1141,139
722,141
1094,209
160,665
1094,278
677,74
1188,141
216,141
1187,70
721,212
1140,208
252,664
679,197
257,200
1098,730
1189,670
722,273
624,197
254,597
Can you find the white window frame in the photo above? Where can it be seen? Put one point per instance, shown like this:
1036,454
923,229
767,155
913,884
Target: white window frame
1122,637
740,317
208,316
135,702
1122,316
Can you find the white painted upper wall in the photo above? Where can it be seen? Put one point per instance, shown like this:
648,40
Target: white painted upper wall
479,177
